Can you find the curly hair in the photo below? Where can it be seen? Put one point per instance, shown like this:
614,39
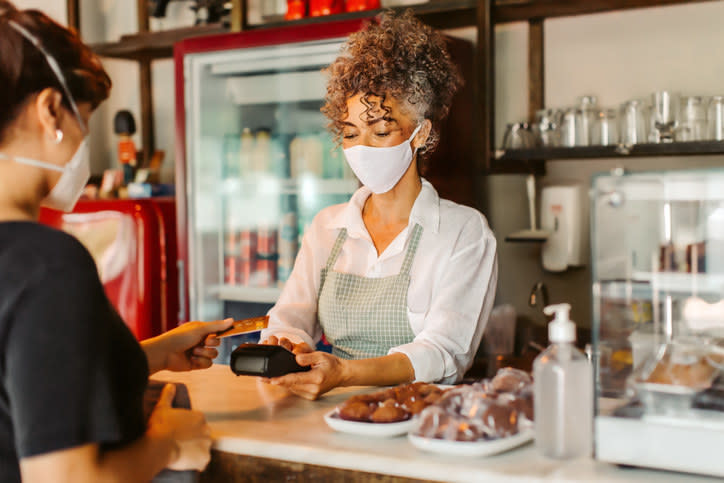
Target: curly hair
398,57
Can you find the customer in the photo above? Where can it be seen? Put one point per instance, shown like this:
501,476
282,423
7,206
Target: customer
400,281
72,376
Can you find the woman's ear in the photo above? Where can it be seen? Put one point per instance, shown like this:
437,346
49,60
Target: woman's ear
422,135
48,108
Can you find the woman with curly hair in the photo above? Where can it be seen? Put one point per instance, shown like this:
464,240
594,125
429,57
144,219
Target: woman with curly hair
399,281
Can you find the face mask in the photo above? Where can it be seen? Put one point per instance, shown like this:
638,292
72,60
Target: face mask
66,192
380,169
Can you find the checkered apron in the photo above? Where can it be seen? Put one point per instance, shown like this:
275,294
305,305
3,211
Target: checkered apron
365,317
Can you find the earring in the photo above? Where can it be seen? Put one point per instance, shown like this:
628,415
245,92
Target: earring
58,136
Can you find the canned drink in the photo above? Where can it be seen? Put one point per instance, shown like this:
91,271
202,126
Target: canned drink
288,245
244,270
267,242
248,244
230,270
266,270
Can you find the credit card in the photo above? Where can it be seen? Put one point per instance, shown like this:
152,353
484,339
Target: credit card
245,326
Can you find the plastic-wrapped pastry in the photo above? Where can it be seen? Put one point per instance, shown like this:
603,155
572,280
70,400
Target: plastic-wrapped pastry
510,380
682,365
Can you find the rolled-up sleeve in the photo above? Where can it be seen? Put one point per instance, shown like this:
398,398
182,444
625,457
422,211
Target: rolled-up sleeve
462,299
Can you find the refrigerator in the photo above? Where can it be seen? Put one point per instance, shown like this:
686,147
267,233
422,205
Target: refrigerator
133,243
256,163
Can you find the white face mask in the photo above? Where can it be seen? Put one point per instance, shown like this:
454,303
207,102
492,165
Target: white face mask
66,192
379,169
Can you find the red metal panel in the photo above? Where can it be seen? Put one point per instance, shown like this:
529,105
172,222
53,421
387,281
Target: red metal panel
128,241
214,43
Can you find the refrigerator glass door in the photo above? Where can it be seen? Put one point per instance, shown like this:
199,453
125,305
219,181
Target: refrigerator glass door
260,165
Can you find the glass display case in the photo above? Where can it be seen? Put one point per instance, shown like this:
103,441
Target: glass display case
658,313
256,162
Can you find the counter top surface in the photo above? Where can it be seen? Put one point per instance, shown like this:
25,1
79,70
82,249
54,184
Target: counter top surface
249,417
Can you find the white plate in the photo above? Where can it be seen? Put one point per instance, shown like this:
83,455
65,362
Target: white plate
376,430
475,448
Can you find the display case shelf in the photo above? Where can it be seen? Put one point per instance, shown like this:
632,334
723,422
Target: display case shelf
534,155
239,293
642,285
271,185
683,283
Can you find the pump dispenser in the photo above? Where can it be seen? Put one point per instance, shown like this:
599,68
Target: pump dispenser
563,391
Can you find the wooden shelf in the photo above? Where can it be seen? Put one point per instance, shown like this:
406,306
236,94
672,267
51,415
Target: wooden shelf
536,155
505,11
153,45
439,14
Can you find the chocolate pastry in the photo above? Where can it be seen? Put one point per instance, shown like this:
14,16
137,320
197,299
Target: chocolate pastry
356,411
389,414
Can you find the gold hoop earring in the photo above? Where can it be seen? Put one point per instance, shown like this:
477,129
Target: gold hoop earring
58,136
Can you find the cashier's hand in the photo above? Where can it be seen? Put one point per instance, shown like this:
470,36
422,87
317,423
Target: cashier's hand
328,372
300,348
187,347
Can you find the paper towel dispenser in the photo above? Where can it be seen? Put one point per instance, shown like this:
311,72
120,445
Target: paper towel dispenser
563,216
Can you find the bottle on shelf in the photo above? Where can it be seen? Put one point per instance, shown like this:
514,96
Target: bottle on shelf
563,392
246,148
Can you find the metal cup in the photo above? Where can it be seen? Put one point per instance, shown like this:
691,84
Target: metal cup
545,128
664,116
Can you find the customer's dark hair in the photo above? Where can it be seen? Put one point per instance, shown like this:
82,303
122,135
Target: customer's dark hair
24,71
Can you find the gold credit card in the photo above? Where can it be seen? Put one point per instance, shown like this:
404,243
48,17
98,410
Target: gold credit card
245,326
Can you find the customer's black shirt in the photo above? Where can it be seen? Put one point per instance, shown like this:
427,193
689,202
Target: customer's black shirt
71,373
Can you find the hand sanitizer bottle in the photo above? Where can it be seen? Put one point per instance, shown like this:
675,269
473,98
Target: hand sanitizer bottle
563,392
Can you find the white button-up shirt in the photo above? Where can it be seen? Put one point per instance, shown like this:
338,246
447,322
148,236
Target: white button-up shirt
452,286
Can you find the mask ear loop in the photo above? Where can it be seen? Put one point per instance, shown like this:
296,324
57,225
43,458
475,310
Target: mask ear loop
414,133
54,67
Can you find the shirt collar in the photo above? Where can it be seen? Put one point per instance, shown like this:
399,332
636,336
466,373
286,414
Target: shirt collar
425,211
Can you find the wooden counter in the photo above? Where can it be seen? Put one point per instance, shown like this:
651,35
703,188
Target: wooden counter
263,433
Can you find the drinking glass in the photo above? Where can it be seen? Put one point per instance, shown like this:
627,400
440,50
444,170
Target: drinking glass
586,115
692,120
569,127
633,122
715,118
518,136
605,128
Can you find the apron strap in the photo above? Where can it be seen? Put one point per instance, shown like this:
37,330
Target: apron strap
411,250
336,249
